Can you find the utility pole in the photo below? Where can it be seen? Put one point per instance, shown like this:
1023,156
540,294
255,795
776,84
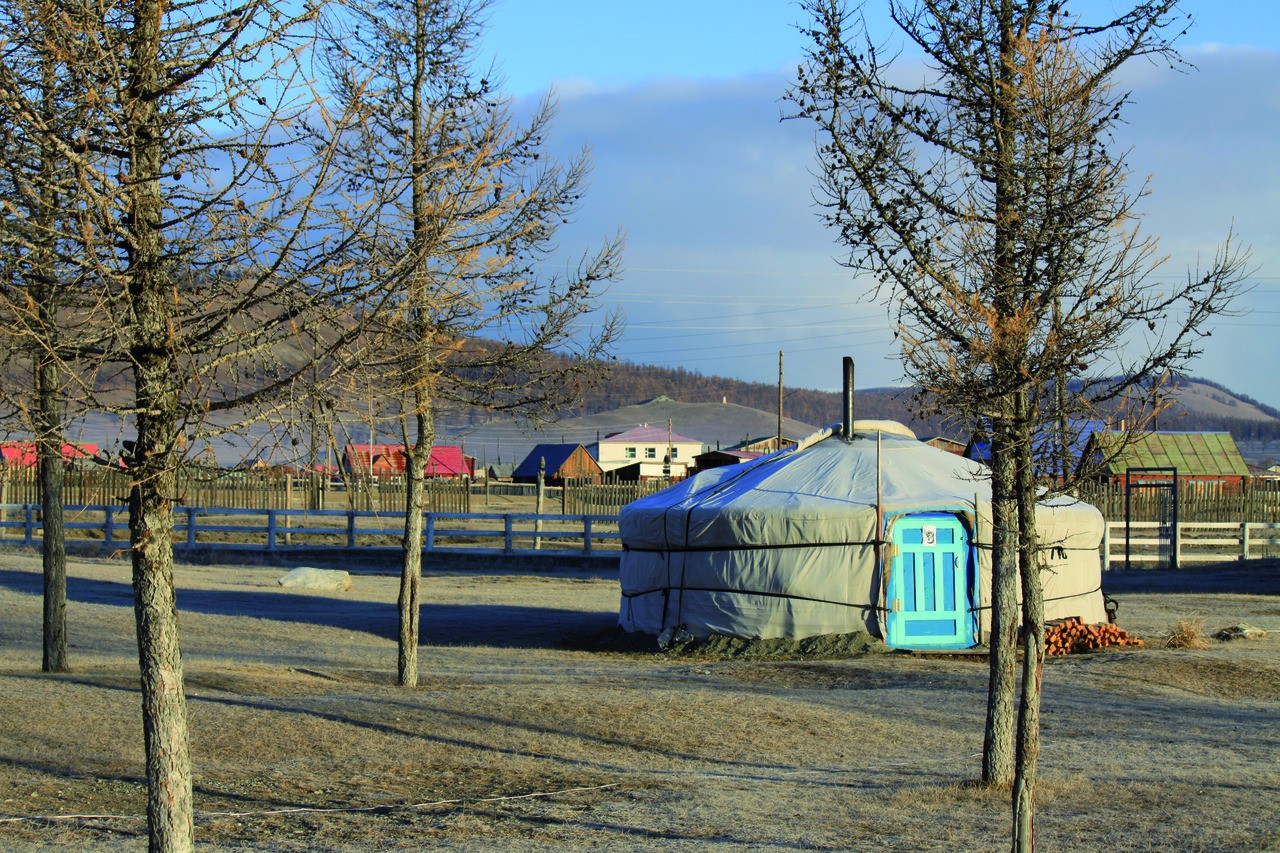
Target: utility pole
779,447
669,446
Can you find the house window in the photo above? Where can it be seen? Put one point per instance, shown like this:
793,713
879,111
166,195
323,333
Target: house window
630,453
675,451
651,453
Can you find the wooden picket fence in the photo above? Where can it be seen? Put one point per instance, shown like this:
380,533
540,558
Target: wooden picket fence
104,529
591,498
1195,504
214,488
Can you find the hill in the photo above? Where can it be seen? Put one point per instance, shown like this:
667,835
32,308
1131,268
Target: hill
717,410
1198,405
723,412
502,444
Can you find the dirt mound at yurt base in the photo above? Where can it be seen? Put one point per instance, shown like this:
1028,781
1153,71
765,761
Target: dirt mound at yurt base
719,647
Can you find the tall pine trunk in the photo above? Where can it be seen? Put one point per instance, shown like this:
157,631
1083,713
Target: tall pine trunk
53,544
410,603
997,756
1028,753
44,289
164,704
999,736
153,461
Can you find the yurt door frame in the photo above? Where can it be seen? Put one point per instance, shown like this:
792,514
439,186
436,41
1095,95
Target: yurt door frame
932,583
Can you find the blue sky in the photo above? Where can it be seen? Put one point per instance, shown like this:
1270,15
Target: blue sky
679,103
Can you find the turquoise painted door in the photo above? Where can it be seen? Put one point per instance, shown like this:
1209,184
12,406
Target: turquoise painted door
931,580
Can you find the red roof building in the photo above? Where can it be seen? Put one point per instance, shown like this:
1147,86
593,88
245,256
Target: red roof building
22,454
389,460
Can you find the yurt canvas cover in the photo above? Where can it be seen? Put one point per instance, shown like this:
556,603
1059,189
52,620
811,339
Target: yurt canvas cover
786,546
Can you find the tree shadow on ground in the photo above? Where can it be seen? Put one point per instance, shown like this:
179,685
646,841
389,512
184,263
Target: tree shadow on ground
1255,577
500,625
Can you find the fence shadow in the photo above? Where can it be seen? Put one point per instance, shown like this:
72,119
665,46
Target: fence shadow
1256,577
499,625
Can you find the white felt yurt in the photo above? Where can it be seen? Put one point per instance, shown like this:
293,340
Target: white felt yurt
873,531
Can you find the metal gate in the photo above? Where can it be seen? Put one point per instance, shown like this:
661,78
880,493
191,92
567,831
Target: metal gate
1164,482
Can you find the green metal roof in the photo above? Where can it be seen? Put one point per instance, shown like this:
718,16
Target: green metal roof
1194,454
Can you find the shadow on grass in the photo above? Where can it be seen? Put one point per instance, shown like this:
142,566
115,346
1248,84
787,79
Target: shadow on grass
1256,577
370,712
504,626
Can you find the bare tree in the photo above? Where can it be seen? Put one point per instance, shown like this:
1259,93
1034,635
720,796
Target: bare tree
469,204
990,206
39,294
201,240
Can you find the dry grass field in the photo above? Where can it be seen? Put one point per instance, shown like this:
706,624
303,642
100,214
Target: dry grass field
531,731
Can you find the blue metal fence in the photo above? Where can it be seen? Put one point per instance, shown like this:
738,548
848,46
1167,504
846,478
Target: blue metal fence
277,530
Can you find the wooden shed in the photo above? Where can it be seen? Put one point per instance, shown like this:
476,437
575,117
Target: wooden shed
563,462
1208,461
720,458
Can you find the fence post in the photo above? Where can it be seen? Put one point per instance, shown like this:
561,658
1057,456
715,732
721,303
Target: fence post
29,526
109,526
1177,545
586,535
507,547
351,528
431,531
537,502
191,527
271,530
1106,546
1244,540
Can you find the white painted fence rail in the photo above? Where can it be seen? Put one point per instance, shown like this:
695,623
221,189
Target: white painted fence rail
280,529
1150,542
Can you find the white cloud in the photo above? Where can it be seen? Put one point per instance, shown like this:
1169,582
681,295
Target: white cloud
716,196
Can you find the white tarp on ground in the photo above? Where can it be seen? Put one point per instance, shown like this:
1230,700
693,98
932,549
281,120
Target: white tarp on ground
786,545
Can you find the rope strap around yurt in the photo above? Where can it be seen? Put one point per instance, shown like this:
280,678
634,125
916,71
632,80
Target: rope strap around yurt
686,506
666,591
743,547
1098,589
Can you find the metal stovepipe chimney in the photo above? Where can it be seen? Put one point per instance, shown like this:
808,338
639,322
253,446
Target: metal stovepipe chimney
846,429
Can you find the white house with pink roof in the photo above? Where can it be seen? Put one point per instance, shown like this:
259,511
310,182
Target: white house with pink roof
652,448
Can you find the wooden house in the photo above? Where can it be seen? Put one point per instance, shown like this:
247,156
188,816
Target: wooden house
562,461
950,445
768,444
22,454
653,452
381,460
1208,462
721,458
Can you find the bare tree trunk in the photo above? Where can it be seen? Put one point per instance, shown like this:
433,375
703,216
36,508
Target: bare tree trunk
410,604
1028,753
48,404
164,704
53,544
998,759
998,741
156,392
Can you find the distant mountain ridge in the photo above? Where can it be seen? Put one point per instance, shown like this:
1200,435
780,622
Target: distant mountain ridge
719,411
724,412
1198,406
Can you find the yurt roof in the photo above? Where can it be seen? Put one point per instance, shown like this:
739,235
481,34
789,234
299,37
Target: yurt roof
825,491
